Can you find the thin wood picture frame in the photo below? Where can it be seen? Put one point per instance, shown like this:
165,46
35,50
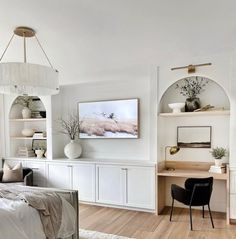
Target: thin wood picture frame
194,136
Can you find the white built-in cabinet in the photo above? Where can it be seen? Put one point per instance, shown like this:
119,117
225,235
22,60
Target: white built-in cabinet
233,194
121,185
131,186
83,179
109,184
59,175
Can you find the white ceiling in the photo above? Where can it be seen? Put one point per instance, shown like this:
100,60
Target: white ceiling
87,39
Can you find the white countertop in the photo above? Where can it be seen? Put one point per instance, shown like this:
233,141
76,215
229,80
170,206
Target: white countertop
89,160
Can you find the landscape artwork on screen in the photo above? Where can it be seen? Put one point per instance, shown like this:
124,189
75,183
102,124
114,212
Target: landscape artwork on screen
109,119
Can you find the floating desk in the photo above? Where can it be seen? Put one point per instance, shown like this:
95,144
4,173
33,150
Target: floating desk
187,170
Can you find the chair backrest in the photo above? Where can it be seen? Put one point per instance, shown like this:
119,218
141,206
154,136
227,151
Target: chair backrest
201,189
26,171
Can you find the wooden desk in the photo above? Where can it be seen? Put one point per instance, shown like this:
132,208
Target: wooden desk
187,170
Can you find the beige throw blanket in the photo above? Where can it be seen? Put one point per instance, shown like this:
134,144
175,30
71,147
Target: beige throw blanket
48,204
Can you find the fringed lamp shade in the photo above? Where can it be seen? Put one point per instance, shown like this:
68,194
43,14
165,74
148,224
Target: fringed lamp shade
27,78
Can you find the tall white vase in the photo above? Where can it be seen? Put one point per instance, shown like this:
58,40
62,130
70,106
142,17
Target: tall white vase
26,113
73,150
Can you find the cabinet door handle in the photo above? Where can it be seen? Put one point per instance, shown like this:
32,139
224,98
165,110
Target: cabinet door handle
124,169
35,168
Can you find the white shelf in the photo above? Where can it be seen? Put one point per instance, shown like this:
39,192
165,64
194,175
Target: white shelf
201,113
22,137
28,120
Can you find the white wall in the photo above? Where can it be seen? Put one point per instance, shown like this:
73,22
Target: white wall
130,149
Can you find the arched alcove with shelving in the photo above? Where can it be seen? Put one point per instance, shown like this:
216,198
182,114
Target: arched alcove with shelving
24,131
218,118
213,94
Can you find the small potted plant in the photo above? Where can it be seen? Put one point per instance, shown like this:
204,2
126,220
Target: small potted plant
191,87
25,102
71,127
218,153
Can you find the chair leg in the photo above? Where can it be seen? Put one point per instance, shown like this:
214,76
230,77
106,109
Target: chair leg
211,216
203,211
172,207
190,214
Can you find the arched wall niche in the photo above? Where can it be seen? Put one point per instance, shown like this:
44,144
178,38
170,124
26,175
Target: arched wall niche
15,111
214,94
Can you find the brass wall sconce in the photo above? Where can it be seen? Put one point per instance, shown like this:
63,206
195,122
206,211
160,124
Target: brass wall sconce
172,150
191,68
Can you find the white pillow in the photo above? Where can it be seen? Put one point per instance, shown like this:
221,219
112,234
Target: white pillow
14,174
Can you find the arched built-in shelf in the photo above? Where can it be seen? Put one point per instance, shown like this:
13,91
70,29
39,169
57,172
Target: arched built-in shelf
213,94
200,113
17,123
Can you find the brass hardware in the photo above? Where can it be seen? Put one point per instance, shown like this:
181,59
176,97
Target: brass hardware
191,68
24,32
172,150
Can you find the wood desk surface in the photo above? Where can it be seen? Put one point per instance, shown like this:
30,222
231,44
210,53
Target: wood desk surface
183,173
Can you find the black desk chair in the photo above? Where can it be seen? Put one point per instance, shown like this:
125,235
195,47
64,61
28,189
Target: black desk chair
197,192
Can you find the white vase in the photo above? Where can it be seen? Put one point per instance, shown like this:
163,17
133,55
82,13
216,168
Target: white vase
39,153
73,150
26,113
218,162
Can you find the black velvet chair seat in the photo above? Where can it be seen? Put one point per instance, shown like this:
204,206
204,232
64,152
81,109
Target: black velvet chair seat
197,192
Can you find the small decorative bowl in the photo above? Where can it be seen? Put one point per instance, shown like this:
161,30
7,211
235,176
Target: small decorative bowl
28,132
176,107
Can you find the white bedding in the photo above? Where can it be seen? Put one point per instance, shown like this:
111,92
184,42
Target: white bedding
20,221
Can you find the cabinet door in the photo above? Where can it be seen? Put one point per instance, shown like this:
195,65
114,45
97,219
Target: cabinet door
39,174
140,187
59,176
233,182
84,181
233,206
109,188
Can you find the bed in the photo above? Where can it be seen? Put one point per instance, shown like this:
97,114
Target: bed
19,220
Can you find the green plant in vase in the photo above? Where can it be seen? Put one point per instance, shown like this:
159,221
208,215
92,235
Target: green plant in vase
191,87
218,153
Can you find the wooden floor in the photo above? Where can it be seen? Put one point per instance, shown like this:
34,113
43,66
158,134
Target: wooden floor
142,225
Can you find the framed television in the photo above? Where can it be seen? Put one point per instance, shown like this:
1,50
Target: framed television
109,119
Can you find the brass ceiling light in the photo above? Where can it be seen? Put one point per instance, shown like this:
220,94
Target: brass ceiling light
25,78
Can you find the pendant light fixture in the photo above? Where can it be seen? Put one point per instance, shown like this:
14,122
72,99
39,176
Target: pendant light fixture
24,78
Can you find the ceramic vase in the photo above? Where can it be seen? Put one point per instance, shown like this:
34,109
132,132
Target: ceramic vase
73,150
26,113
192,104
39,153
218,162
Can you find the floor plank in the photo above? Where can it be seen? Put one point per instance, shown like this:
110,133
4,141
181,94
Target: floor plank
142,225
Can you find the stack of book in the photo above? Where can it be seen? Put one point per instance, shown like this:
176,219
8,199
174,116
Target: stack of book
39,135
36,114
26,152
217,169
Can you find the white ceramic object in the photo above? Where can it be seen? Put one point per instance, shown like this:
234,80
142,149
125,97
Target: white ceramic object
218,162
176,107
39,153
28,132
73,150
26,113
